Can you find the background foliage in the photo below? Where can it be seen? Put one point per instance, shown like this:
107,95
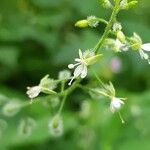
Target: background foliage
38,37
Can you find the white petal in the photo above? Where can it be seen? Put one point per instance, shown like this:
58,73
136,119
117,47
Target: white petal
78,71
80,53
33,91
146,47
77,60
84,71
143,55
115,104
112,109
71,66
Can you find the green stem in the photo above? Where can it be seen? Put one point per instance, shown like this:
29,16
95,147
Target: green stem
108,27
62,86
100,81
102,20
66,93
62,103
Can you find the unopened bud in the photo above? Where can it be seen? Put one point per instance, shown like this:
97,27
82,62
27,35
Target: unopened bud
81,23
120,36
65,74
11,108
106,4
26,126
117,27
56,126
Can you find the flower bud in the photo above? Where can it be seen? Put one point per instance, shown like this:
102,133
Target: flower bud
125,5
65,74
56,126
117,27
120,36
135,41
11,108
81,23
106,4
26,126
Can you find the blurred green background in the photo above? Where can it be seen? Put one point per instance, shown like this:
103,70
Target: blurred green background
38,37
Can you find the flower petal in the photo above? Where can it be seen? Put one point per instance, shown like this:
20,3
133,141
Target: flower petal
78,71
84,71
146,47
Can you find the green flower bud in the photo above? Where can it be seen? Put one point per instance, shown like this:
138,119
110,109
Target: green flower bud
26,126
135,41
125,5
106,4
117,27
11,108
81,23
120,36
56,126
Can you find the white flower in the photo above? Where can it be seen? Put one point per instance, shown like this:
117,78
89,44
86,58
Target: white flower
143,54
119,46
115,104
81,65
33,92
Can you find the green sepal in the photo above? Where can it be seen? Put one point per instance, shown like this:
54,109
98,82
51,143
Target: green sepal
48,91
94,59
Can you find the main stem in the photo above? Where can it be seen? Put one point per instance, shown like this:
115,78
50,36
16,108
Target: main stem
108,27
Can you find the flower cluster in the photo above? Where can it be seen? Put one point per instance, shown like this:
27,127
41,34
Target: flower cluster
119,43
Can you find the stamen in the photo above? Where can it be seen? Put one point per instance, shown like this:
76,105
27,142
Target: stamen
71,66
77,59
122,120
71,81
